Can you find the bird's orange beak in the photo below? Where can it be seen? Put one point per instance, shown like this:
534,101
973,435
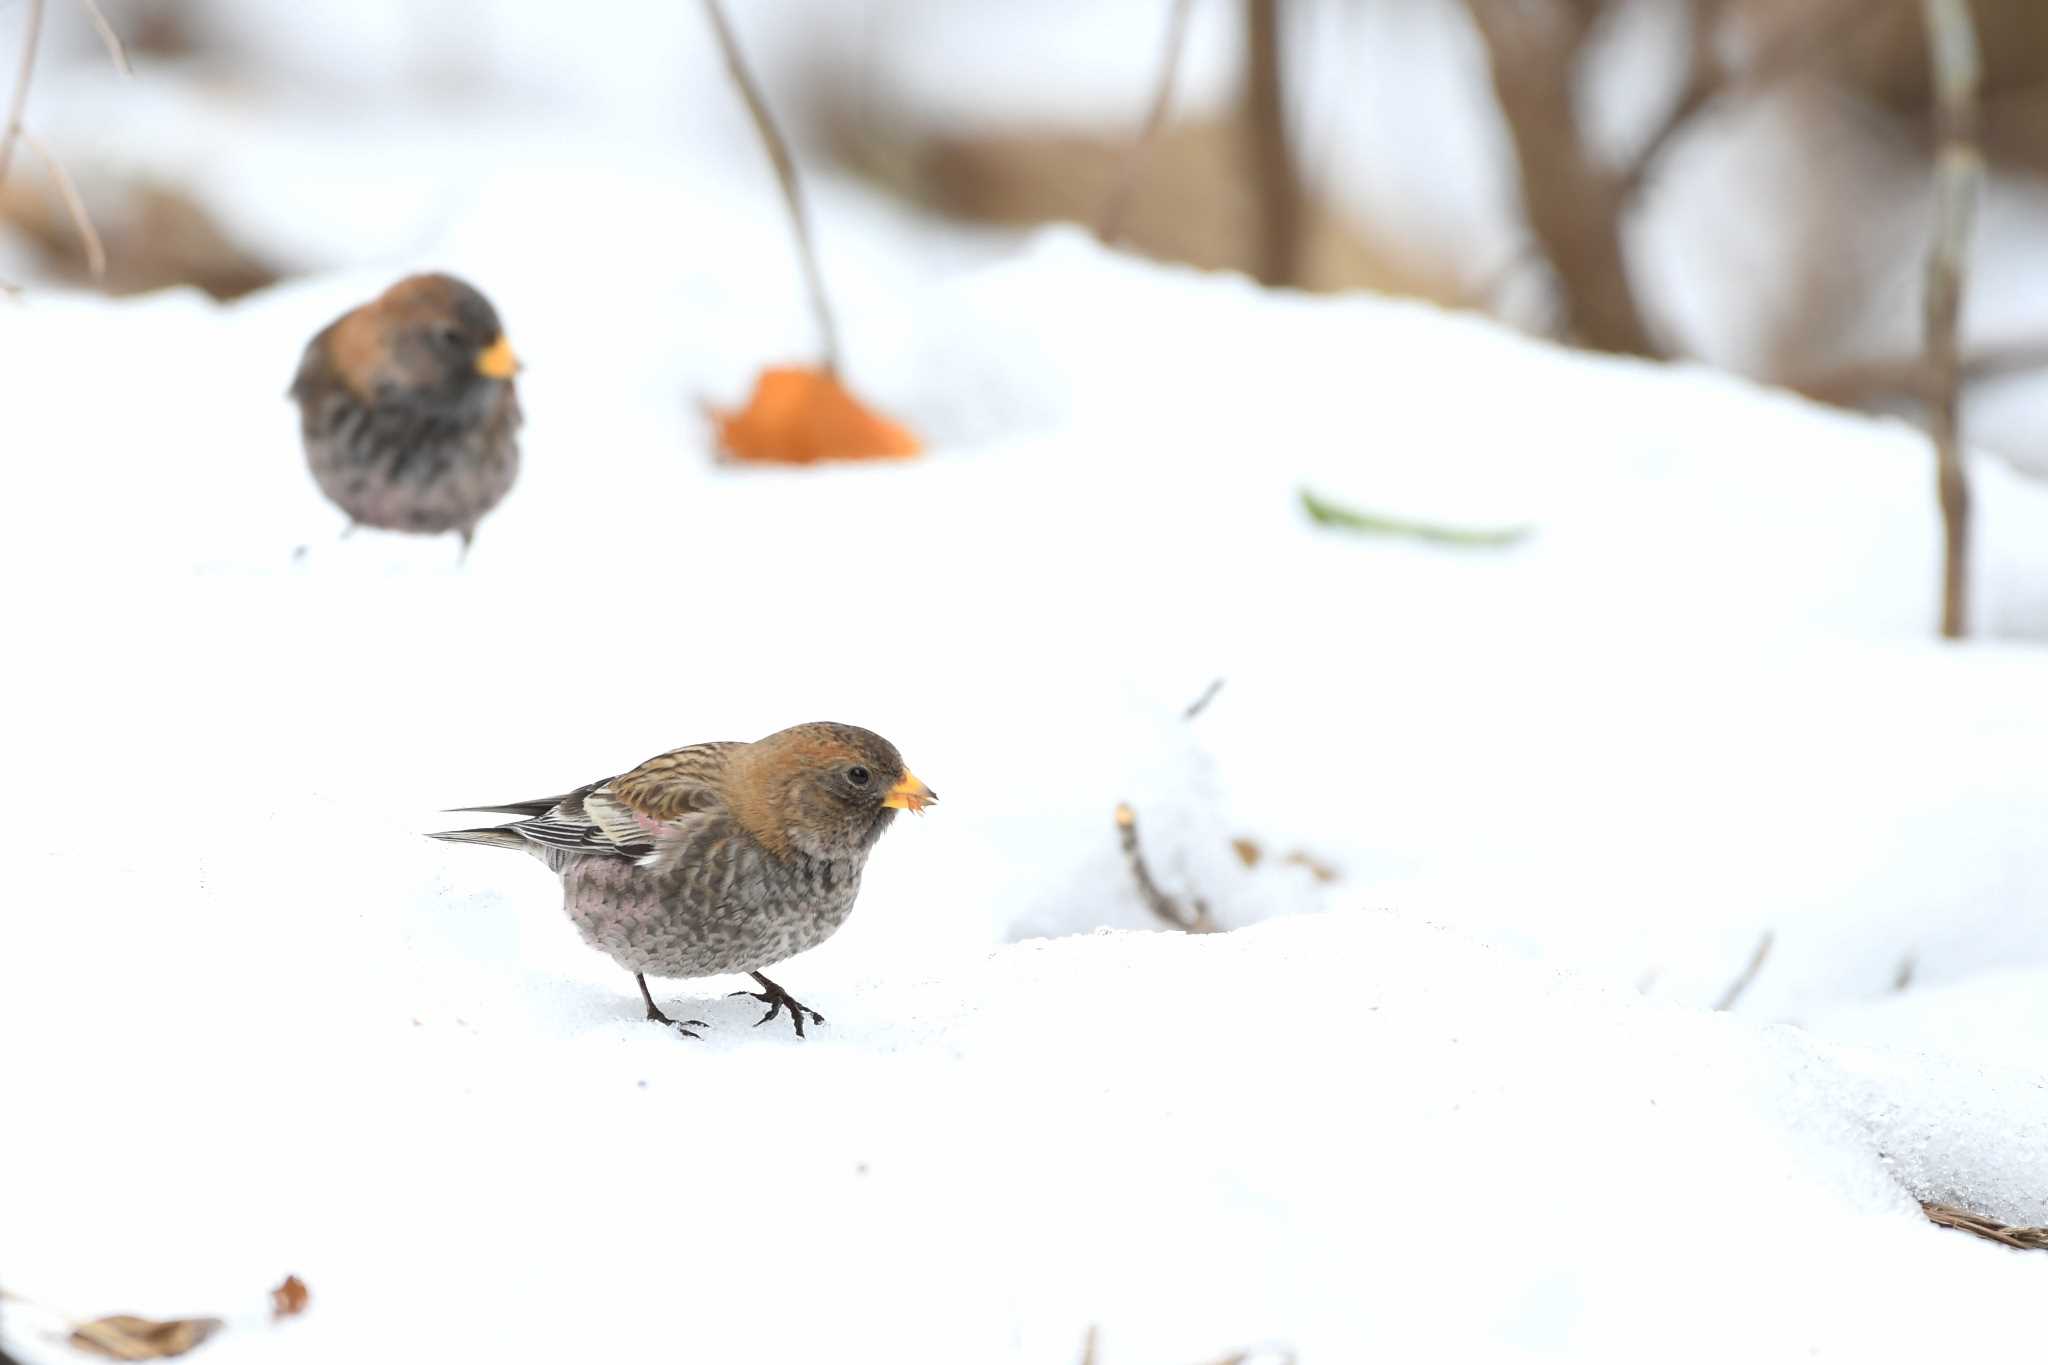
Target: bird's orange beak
497,360
909,794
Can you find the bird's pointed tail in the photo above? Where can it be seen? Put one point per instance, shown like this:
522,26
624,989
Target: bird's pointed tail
499,836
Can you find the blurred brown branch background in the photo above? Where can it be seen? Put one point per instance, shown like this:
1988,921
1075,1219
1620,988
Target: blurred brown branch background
1226,189
1635,161
1850,90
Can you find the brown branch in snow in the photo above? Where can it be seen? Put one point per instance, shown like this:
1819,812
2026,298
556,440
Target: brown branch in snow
1272,157
1958,169
1109,225
1158,902
95,251
1741,983
1866,382
1577,207
1572,202
1799,44
1949,1216
1706,77
785,175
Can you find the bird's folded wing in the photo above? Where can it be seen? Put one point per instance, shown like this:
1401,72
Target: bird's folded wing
636,815
678,783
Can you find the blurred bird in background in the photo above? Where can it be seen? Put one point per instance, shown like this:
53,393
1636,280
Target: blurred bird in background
409,411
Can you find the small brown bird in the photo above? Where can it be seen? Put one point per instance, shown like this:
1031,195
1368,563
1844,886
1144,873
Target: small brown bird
718,857
408,409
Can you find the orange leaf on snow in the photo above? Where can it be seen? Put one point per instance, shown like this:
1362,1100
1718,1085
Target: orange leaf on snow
800,416
289,1299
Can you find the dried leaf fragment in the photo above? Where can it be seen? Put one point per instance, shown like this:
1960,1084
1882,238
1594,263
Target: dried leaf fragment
1251,854
288,1300
800,416
125,1337
1317,868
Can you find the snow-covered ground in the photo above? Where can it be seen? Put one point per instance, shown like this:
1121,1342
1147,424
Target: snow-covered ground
1468,1095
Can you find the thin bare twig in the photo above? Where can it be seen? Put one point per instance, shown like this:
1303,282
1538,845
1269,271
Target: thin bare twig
1709,79
1958,169
1110,223
1201,703
785,175
11,132
1706,77
95,252
1741,983
116,53
1904,976
1864,382
1990,1229
1158,902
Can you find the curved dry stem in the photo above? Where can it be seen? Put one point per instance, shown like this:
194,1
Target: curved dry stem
1193,918
785,175
117,53
95,250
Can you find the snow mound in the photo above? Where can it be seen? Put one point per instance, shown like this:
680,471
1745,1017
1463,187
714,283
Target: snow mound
1347,1133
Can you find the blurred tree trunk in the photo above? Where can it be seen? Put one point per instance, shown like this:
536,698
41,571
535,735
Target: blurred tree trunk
1271,157
1573,203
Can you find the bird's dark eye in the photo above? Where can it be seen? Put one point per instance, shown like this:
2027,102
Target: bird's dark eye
453,338
858,775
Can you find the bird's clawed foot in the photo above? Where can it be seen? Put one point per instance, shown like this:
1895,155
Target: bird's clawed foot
776,998
656,1016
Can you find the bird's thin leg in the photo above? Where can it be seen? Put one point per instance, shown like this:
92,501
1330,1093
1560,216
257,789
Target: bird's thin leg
774,997
468,535
658,1017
